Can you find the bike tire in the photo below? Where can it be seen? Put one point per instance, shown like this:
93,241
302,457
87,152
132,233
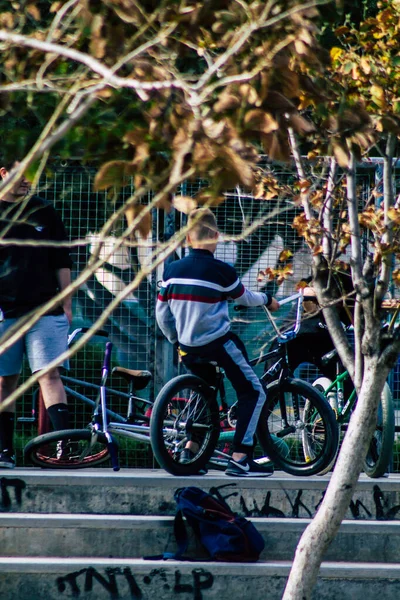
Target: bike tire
381,447
285,445
322,384
79,449
184,407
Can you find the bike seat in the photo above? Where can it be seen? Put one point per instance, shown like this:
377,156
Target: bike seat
139,378
328,357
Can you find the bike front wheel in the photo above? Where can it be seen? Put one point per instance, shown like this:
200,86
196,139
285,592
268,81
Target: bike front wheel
184,411
381,447
308,418
68,449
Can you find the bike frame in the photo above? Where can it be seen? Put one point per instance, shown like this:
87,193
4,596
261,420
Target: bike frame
109,422
343,414
141,432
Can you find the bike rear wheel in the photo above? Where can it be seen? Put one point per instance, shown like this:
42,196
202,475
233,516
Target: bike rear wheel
68,449
308,417
323,384
184,410
381,447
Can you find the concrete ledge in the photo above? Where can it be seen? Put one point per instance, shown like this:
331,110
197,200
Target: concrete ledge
144,492
123,536
104,579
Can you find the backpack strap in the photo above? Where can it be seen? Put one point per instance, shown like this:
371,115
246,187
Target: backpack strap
182,541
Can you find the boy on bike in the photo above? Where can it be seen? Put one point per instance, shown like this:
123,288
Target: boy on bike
192,310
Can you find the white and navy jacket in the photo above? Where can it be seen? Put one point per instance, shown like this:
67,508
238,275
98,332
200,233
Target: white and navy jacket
192,305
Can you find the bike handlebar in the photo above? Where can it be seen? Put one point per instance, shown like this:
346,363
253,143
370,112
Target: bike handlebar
107,357
78,330
287,335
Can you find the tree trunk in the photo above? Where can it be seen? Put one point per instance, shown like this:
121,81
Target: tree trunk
322,530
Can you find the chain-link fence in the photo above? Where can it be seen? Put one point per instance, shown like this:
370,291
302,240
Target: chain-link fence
132,328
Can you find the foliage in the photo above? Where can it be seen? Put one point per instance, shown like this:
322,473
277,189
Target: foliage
200,85
163,92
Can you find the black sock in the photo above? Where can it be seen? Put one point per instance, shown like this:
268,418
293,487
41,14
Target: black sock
7,431
59,416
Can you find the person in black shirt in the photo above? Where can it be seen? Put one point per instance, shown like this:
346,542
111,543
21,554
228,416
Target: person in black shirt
29,277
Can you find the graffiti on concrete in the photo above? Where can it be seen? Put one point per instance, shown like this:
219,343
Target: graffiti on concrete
6,484
116,581
299,508
383,511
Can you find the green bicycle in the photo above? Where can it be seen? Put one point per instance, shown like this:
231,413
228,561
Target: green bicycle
380,449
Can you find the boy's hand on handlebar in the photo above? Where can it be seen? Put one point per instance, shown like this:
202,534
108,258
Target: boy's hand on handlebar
274,305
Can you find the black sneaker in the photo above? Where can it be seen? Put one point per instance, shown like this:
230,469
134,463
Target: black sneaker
187,456
7,460
247,467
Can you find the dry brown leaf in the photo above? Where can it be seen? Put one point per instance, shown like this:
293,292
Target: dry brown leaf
184,204
276,146
342,155
213,129
114,173
165,202
259,120
98,47
279,102
247,91
55,7
204,152
300,124
242,169
179,139
143,226
141,155
33,11
135,136
129,14
284,255
104,93
226,101
7,20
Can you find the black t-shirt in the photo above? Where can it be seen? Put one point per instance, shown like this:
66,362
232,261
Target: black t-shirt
28,274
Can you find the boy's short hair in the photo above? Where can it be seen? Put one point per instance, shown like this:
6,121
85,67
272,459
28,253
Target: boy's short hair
202,223
8,163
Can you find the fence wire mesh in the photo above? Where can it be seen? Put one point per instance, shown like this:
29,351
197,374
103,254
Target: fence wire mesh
131,327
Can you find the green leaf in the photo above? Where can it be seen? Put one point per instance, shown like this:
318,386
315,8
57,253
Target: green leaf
348,67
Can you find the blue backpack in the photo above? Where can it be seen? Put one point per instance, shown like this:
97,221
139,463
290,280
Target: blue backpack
225,535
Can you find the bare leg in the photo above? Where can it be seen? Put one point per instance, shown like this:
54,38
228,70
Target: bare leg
52,388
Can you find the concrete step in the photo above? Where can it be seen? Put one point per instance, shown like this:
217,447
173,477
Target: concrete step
106,579
122,536
151,492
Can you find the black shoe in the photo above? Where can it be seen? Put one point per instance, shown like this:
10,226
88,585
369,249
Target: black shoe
7,460
187,456
247,467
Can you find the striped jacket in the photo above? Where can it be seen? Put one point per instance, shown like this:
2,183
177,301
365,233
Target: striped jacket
192,305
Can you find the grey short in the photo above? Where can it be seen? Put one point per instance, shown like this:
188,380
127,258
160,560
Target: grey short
42,344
